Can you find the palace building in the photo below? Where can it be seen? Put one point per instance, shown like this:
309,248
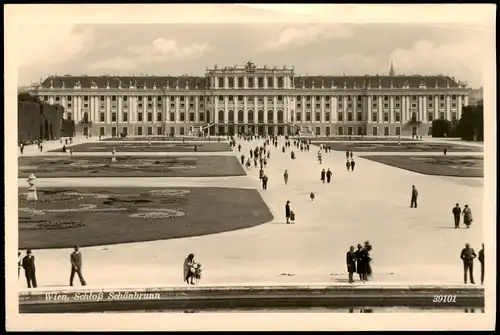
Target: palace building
229,100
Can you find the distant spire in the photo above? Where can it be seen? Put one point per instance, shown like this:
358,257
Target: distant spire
391,72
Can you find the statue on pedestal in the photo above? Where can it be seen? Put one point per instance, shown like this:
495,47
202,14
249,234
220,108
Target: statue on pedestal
113,158
32,189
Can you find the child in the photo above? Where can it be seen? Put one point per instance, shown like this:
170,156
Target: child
292,217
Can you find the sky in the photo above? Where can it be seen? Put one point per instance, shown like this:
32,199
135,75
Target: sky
312,48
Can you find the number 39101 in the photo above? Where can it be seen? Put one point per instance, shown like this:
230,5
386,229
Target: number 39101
444,298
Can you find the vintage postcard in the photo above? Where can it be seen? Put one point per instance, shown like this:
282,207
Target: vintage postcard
250,167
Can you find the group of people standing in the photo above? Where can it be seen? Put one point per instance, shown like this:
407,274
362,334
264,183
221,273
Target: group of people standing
349,164
467,255
359,262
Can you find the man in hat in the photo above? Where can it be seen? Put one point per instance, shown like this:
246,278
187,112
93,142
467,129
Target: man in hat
456,214
29,269
467,255
76,266
351,263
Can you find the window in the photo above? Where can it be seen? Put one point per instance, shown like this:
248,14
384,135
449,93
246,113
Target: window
398,117
340,117
150,130
58,98
327,116
430,117
453,105
327,98
386,98
398,105
299,98
191,98
360,98
113,117
386,131
139,105
299,105
172,116
280,98
201,116
349,105
398,131
374,106
430,97
139,130
359,116
358,105
139,99
318,116
280,82
68,98
231,82
250,82
269,99
191,117
397,98
113,98
102,131
68,116
158,130
102,117
181,98
230,98
374,117
430,105
308,117
317,105
349,98
349,116
317,97
413,98
327,105
413,105
181,105
308,98
172,106
308,105
453,97
441,97
158,106
299,117
375,131
182,116
150,105
158,98
159,117
240,82
181,131
454,116
340,105
386,105
85,105
240,98
85,98
260,82
441,115
221,82
441,105
150,117
386,117
139,117
69,104
270,82
221,98
125,117
260,99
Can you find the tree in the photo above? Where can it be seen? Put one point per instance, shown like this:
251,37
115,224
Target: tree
440,127
471,126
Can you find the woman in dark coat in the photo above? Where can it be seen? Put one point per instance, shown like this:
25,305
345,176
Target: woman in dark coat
287,211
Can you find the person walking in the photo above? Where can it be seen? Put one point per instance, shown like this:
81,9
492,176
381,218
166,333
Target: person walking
328,176
350,154
287,211
323,176
456,214
347,155
242,158
29,269
360,263
467,255
261,174
351,263
264,182
481,260
285,177
352,164
414,196
348,164
76,266
467,216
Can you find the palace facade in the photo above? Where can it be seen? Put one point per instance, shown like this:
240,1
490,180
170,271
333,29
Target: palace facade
255,99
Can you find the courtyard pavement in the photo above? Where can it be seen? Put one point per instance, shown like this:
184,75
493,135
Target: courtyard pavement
371,203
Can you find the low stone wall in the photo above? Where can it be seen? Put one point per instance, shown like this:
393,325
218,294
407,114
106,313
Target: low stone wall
249,297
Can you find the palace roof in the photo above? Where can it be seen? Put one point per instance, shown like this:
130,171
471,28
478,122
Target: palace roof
308,82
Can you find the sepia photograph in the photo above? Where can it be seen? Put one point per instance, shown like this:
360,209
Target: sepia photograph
250,167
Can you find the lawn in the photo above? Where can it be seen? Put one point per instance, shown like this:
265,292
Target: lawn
163,138
395,147
358,138
145,147
98,216
129,166
451,166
